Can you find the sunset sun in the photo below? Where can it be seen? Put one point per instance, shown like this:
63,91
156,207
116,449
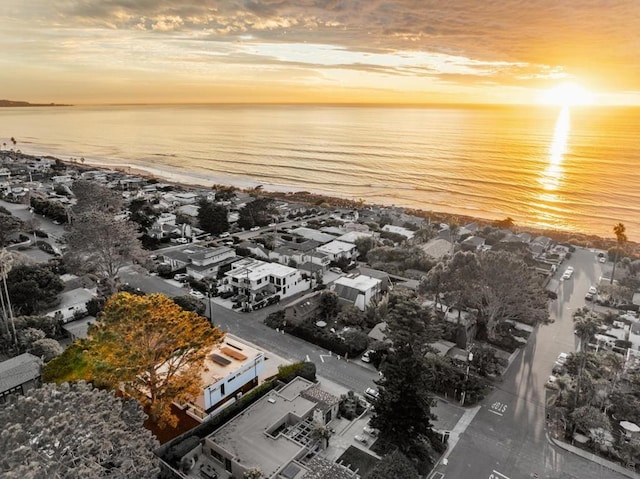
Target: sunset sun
567,94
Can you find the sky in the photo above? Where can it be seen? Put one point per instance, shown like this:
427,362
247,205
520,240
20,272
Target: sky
328,51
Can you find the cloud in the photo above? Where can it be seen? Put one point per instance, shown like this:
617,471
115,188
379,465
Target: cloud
516,42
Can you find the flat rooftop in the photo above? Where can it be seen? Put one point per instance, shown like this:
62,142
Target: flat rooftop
245,437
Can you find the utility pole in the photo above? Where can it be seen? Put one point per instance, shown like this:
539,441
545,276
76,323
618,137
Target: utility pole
466,378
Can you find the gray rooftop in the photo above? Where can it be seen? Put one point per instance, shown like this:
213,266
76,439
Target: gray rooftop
247,436
19,370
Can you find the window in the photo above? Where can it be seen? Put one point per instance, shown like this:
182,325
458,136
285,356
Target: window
216,455
222,393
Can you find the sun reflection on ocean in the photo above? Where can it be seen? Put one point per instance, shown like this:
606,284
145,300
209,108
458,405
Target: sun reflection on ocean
548,202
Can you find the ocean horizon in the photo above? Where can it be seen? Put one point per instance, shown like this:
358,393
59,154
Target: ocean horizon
544,167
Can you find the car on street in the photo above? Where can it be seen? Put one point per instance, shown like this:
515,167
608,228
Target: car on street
568,273
370,394
366,357
336,270
271,225
552,382
591,293
361,438
369,430
255,228
182,277
196,294
602,259
558,366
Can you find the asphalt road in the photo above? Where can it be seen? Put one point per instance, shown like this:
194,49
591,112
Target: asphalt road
353,375
507,439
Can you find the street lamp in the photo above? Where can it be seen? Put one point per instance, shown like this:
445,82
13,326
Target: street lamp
466,378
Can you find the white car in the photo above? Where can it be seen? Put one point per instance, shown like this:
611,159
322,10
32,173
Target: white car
196,294
371,394
366,357
255,228
369,430
593,290
568,273
180,277
602,259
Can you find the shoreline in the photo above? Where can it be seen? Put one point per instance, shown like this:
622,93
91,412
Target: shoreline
314,198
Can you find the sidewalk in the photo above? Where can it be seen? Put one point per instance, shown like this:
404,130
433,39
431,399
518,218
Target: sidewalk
593,457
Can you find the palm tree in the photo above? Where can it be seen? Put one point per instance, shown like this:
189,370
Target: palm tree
6,263
587,324
621,238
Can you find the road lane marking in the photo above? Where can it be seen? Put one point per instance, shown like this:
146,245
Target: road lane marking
497,475
498,408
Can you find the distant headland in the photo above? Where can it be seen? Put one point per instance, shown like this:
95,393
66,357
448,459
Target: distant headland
11,103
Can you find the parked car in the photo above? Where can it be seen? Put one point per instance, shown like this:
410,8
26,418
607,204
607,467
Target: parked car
371,394
335,269
369,430
602,259
568,273
182,277
224,235
196,294
366,357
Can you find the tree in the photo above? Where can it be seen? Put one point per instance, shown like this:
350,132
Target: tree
142,213
253,473
213,217
256,213
189,303
92,196
75,431
328,305
587,324
364,245
394,465
33,288
9,224
103,243
621,239
46,348
507,289
153,347
402,411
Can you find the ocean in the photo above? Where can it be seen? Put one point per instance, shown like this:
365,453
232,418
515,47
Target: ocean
545,167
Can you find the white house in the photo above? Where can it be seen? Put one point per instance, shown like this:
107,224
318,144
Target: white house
359,290
337,250
231,369
73,303
399,230
250,276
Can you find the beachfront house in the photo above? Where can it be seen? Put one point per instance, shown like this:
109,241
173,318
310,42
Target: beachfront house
399,230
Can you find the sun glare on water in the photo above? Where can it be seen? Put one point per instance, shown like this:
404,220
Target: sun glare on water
567,94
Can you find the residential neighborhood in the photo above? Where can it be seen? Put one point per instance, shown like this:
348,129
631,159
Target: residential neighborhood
254,299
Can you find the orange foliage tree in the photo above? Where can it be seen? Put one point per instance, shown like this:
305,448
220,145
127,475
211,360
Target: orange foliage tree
153,348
